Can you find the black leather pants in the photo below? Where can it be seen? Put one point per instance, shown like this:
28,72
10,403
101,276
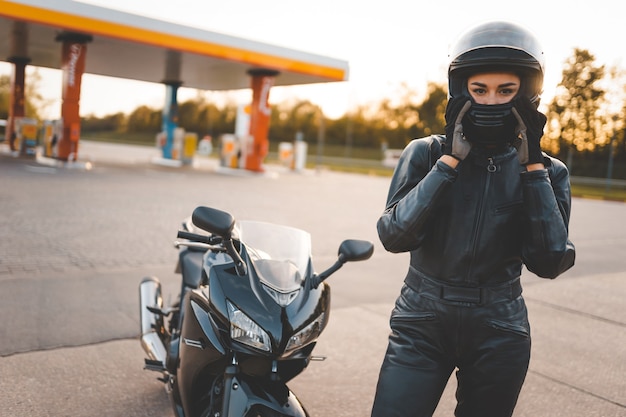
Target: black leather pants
487,341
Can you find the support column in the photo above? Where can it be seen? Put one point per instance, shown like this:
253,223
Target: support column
16,99
262,82
74,51
170,117
19,58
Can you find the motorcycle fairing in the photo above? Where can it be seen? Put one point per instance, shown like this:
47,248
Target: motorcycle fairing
204,351
208,327
244,395
246,293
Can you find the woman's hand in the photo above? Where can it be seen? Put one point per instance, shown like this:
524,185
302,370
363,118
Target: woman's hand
456,146
531,124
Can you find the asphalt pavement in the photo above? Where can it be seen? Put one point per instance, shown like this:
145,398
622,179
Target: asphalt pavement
77,239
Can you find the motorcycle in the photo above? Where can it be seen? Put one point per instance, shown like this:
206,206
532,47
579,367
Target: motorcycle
248,317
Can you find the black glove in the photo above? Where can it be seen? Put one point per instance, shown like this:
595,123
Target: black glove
530,128
456,144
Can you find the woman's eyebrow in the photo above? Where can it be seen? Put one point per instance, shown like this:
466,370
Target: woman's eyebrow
509,84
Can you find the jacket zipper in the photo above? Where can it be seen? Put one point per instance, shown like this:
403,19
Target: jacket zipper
491,168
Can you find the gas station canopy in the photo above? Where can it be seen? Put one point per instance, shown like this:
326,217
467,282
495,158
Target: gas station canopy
135,47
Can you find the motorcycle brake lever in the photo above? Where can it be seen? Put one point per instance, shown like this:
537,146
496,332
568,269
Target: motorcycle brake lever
178,244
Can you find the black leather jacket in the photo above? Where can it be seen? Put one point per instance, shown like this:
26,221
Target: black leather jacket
477,224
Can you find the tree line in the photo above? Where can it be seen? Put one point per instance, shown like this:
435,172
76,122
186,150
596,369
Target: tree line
586,118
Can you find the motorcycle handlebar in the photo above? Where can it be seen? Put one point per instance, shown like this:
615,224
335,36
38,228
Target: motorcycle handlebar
215,240
194,237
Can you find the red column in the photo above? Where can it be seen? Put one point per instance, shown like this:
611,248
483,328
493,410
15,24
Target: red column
73,65
260,112
16,99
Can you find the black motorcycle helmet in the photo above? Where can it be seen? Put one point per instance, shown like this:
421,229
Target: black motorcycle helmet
497,46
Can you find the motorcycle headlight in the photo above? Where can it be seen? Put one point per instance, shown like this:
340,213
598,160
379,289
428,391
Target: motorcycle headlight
306,335
244,330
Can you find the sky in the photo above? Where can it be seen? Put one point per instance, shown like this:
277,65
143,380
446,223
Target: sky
388,44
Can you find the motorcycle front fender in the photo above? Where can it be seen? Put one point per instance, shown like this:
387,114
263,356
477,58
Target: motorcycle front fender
245,395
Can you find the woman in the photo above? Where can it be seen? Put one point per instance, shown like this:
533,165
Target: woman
472,207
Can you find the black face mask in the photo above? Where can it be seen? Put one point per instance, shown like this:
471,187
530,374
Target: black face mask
490,126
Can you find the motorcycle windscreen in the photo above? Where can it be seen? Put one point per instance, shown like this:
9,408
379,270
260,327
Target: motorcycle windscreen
280,254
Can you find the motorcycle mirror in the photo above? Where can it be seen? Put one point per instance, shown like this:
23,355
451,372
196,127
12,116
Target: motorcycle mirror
350,250
355,250
213,221
219,223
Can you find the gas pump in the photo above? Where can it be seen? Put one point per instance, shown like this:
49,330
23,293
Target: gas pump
229,151
205,146
189,146
177,146
26,135
234,147
300,151
52,132
293,155
285,154
183,146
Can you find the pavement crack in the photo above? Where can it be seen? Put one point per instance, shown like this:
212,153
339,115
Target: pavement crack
574,387
576,312
60,347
